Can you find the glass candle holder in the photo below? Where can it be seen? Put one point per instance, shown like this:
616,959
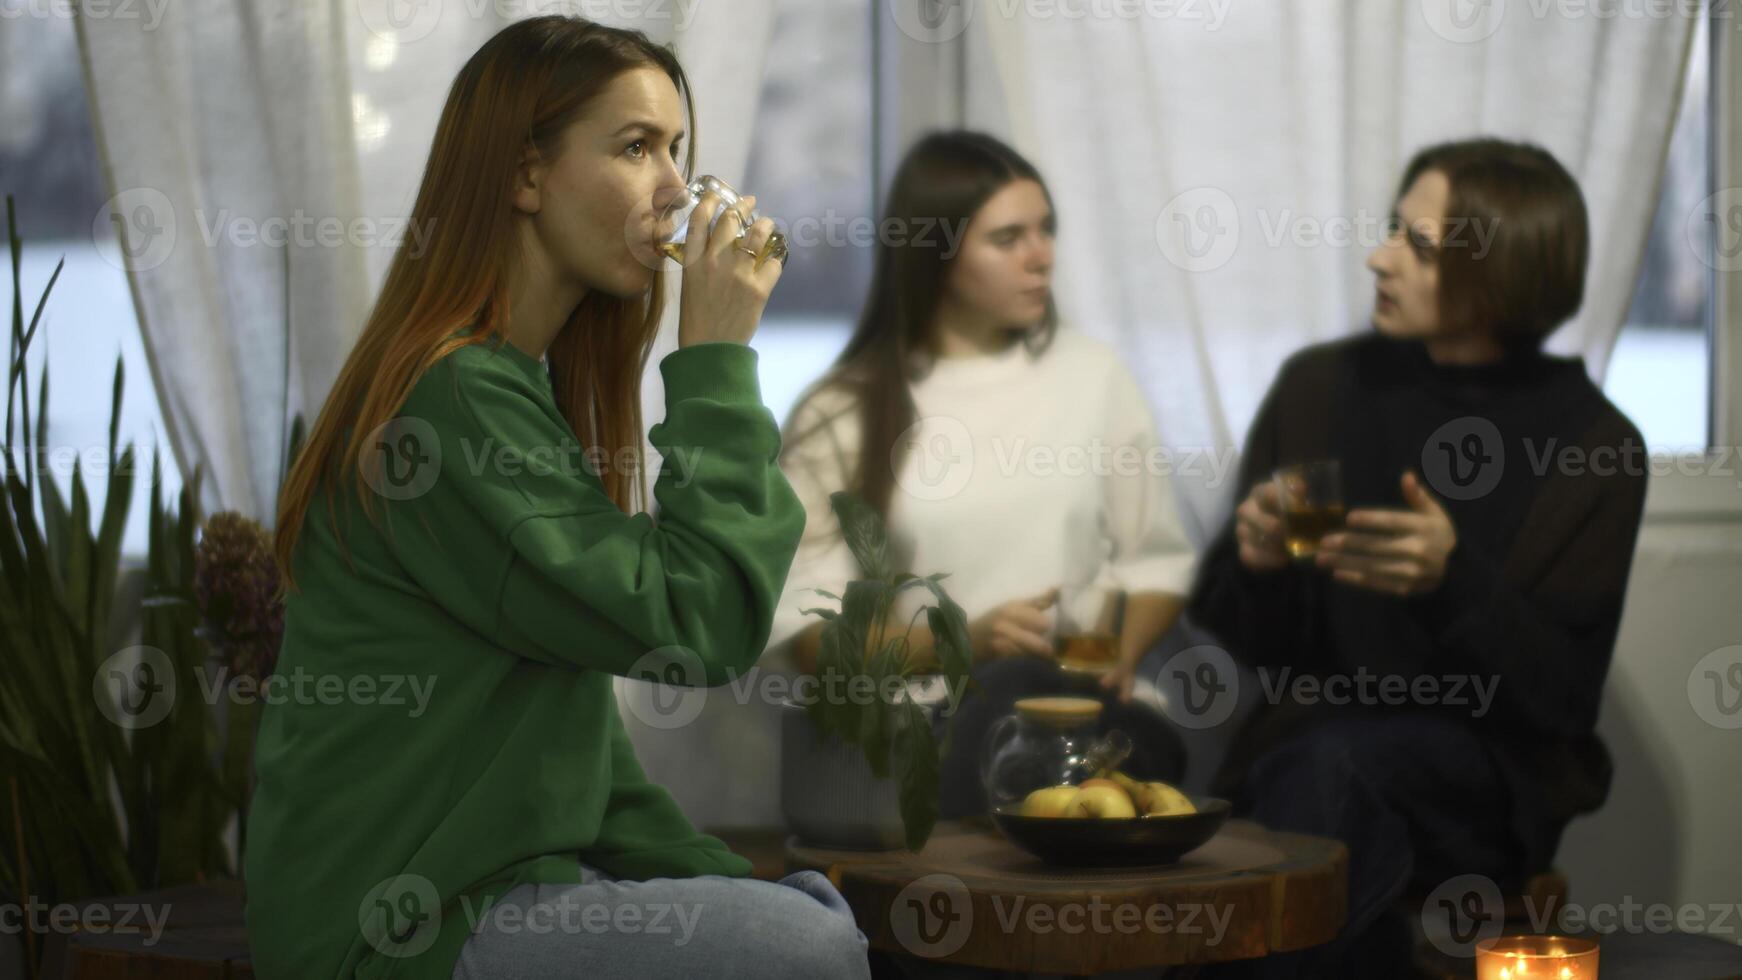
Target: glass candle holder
1536,958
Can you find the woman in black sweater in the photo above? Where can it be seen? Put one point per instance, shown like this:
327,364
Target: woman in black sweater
1466,613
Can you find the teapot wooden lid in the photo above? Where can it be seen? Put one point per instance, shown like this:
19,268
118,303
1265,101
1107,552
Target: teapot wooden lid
1059,710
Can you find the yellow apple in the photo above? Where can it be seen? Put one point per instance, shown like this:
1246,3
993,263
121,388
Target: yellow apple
1111,784
1162,800
1132,787
1107,802
1048,801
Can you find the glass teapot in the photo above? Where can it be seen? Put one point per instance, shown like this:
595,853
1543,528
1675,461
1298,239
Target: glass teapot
1045,742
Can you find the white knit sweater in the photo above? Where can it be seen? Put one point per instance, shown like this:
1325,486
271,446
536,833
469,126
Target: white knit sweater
1022,472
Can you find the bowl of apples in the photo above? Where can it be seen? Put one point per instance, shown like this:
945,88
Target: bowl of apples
1110,821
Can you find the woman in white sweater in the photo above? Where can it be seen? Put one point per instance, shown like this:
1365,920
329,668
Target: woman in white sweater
1018,457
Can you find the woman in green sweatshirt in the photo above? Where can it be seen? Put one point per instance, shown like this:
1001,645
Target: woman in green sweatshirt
446,788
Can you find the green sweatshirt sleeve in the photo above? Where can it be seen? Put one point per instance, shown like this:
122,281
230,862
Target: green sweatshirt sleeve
536,555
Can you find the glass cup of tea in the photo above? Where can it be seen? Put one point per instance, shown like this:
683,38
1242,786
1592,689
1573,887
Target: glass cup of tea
1310,496
1086,633
676,219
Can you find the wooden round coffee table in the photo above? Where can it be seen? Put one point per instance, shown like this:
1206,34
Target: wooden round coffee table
971,897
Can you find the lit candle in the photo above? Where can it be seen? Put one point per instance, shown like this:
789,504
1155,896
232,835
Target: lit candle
1536,958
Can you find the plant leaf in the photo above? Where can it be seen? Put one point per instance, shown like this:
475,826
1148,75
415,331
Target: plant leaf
830,713
115,388
859,617
955,651
78,552
950,638
877,724
916,756
864,533
54,528
110,530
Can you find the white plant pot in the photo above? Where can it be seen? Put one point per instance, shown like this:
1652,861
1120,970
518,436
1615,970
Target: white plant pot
828,794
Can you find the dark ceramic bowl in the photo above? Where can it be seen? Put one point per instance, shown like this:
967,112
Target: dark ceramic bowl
1094,842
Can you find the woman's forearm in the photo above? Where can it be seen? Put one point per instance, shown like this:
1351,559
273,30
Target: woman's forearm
1148,617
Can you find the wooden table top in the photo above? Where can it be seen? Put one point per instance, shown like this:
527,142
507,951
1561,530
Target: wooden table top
974,898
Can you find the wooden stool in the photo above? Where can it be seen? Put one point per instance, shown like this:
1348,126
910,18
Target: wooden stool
972,898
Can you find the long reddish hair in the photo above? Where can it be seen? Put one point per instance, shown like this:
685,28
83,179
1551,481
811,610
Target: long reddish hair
520,90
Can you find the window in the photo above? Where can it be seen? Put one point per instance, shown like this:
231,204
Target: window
49,164
811,165
810,169
1660,371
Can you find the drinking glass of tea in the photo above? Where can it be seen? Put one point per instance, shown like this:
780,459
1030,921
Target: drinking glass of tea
676,219
1310,496
1090,617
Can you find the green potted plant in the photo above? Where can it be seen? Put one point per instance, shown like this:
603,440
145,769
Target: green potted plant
97,797
859,751
115,776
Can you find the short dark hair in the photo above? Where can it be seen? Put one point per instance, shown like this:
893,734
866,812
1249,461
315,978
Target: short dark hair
1531,276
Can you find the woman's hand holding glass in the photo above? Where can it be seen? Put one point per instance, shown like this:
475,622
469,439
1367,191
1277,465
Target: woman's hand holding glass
1018,627
1258,529
725,284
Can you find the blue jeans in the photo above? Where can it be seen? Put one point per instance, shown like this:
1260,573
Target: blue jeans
706,926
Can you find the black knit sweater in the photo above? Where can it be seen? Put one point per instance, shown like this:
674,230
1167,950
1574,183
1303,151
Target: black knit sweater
1544,481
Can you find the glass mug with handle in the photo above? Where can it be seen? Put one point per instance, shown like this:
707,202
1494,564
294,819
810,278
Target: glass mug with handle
677,218
1089,621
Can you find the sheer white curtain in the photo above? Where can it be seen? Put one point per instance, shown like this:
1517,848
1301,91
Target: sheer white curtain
225,132
1221,172
229,128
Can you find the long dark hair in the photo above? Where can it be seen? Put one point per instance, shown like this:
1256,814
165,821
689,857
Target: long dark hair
942,181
